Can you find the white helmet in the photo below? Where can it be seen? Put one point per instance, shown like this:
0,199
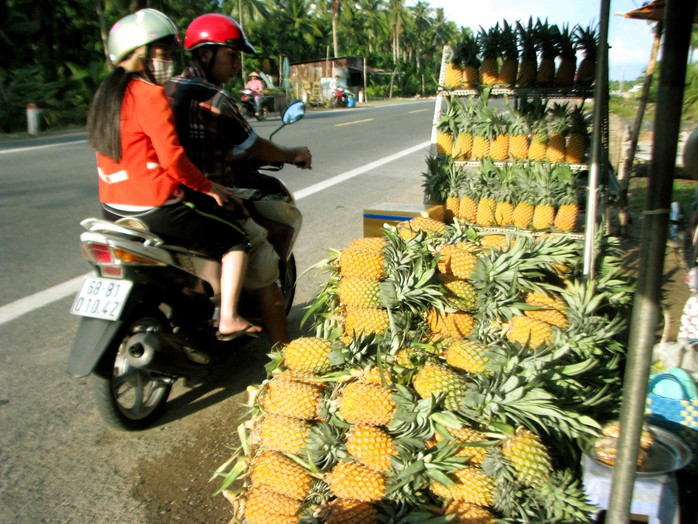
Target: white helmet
138,29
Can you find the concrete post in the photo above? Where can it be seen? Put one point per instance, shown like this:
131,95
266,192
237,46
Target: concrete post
32,119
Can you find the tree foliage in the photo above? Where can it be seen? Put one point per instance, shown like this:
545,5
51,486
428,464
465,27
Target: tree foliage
57,55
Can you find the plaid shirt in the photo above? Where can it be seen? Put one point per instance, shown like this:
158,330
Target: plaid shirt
209,124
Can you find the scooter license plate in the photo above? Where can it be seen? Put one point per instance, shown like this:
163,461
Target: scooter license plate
101,298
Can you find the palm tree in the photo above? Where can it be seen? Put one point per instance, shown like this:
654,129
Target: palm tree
398,17
375,24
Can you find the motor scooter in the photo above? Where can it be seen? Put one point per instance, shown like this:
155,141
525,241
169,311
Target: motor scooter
250,109
342,96
149,316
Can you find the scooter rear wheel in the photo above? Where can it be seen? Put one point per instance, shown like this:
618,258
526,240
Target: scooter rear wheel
288,283
128,398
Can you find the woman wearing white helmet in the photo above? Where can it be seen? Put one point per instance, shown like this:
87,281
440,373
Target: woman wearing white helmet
143,169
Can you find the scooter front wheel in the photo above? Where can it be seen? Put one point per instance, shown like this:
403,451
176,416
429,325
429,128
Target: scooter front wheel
129,398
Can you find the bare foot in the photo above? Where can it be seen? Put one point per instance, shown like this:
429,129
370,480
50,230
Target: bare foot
238,325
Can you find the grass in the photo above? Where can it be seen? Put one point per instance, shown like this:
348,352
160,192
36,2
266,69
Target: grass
682,192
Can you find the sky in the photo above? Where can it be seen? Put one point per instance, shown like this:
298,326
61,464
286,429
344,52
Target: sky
630,40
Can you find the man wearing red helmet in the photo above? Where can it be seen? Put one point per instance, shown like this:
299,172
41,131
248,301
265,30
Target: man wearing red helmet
216,137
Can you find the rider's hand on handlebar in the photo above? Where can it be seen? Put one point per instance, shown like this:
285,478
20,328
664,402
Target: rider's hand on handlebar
301,157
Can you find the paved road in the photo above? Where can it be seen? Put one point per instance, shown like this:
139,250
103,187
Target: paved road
58,462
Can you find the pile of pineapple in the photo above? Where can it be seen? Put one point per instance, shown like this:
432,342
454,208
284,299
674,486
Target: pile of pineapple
470,129
453,376
523,55
522,194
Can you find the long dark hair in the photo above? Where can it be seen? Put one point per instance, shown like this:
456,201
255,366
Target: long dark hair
104,116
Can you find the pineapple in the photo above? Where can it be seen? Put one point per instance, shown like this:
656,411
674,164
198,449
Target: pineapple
567,50
471,62
358,292
487,203
362,263
551,308
453,72
546,184
519,133
468,513
359,320
505,195
499,142
450,325
458,260
461,294
526,197
466,438
588,42
529,457
354,481
546,36
347,511
309,354
455,177
276,472
365,403
264,506
447,128
468,355
577,139
371,446
482,132
463,147
528,65
510,55
529,331
467,208
534,112
369,244
559,123
282,433
436,379
292,398
489,41
568,210
471,485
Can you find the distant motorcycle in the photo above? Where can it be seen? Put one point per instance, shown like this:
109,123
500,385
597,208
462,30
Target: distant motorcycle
149,315
342,97
250,109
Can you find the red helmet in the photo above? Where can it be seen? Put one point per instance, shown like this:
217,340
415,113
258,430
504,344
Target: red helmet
216,29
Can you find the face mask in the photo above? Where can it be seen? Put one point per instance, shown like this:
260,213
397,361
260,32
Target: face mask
162,70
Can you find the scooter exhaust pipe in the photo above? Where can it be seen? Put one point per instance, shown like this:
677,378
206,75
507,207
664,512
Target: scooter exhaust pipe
154,352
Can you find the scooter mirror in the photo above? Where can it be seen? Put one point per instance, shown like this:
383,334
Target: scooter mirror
690,154
293,113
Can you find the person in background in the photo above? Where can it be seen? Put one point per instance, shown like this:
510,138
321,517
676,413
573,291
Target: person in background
256,85
144,171
217,138
337,89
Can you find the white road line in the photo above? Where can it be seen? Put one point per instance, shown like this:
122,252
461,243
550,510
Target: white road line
42,298
28,304
325,184
45,146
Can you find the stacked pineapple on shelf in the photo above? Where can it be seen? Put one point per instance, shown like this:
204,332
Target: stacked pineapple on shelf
456,370
522,55
466,392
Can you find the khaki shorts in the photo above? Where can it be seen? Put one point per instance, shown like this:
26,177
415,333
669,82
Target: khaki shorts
263,261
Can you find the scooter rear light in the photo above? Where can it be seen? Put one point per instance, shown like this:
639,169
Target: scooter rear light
130,258
98,253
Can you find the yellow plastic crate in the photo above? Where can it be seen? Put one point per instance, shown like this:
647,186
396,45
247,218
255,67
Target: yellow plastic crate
393,213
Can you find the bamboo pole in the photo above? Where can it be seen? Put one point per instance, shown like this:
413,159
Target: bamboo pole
597,143
646,308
